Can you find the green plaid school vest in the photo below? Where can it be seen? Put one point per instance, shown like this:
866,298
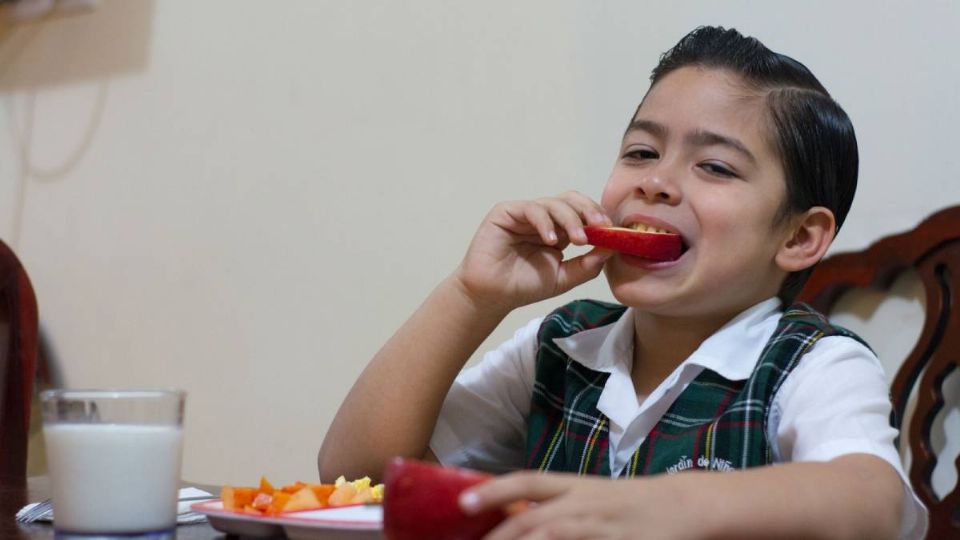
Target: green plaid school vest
715,423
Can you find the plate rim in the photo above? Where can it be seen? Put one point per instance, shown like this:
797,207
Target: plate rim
203,507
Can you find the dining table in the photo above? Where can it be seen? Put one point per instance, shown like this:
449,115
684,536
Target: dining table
14,495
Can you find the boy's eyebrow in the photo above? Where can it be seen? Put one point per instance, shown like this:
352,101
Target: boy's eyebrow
651,127
709,138
699,138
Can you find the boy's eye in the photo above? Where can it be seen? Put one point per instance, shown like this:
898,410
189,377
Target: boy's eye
640,154
718,170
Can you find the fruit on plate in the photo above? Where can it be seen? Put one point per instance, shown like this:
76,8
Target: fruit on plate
640,240
268,500
421,501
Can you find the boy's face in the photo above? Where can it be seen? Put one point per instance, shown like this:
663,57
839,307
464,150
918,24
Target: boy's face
696,160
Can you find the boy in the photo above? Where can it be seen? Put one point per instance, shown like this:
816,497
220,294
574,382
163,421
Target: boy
705,366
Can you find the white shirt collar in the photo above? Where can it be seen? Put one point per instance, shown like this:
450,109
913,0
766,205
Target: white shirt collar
731,351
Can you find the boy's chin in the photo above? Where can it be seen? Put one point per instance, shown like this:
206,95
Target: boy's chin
660,299
649,297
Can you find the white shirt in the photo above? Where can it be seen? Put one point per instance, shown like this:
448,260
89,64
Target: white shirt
835,402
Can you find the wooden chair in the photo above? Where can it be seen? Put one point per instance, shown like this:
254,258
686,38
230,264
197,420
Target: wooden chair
932,250
18,364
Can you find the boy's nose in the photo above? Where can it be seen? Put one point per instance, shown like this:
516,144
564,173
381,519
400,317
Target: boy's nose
655,189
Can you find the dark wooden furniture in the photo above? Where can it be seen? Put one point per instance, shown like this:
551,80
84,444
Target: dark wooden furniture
18,365
932,250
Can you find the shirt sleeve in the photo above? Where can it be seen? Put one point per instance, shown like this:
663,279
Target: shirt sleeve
836,402
483,420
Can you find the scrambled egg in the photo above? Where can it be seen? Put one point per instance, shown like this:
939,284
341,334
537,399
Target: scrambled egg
362,485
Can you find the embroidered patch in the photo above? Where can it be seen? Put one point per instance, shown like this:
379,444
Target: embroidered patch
703,462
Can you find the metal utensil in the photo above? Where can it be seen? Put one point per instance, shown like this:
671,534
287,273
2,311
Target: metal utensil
42,509
29,514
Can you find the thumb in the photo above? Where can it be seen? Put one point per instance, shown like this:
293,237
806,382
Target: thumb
582,269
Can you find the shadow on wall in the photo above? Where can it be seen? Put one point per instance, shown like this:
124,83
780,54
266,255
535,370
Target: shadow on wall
111,40
86,48
60,50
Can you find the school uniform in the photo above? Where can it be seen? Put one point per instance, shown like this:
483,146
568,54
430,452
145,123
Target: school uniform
769,387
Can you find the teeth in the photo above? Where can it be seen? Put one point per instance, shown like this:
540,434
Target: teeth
643,227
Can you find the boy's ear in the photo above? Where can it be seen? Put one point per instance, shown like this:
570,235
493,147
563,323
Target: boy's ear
809,236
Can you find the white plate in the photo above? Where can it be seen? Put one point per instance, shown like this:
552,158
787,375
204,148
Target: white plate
356,522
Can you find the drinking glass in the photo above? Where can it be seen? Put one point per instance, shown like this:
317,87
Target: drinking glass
114,460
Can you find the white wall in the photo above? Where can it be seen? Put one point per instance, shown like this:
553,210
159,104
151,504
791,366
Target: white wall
244,199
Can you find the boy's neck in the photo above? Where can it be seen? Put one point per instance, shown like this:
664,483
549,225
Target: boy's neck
663,343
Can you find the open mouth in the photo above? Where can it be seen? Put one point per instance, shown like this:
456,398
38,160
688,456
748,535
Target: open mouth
651,229
643,227
639,239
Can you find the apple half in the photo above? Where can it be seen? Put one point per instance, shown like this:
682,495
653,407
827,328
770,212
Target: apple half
641,240
421,501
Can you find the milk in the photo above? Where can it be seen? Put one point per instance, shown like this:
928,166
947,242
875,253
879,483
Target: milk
114,478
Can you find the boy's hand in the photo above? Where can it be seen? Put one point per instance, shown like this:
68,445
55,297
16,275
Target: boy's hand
573,507
851,496
516,256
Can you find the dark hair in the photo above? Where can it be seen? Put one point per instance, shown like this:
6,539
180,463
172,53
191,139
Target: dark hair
811,132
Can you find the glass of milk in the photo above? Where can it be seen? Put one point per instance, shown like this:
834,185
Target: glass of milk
114,460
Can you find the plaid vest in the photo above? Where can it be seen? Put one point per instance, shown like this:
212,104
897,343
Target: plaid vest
714,424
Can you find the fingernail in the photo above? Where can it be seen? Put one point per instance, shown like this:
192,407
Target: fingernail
597,217
469,501
552,236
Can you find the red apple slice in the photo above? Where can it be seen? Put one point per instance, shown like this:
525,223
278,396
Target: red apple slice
420,501
654,246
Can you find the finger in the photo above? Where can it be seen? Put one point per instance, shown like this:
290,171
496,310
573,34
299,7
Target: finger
569,219
527,222
559,244
579,270
574,528
538,216
510,217
518,526
552,519
592,212
501,491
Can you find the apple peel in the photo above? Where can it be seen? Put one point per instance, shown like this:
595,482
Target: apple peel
421,500
653,246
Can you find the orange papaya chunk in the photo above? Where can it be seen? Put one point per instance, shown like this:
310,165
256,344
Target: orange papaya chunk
322,492
243,496
302,500
266,486
229,501
293,488
280,499
342,495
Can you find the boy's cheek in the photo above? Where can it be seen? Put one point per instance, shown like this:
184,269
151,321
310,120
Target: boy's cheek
609,198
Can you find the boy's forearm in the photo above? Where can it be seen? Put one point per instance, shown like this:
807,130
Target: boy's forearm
393,406
856,496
